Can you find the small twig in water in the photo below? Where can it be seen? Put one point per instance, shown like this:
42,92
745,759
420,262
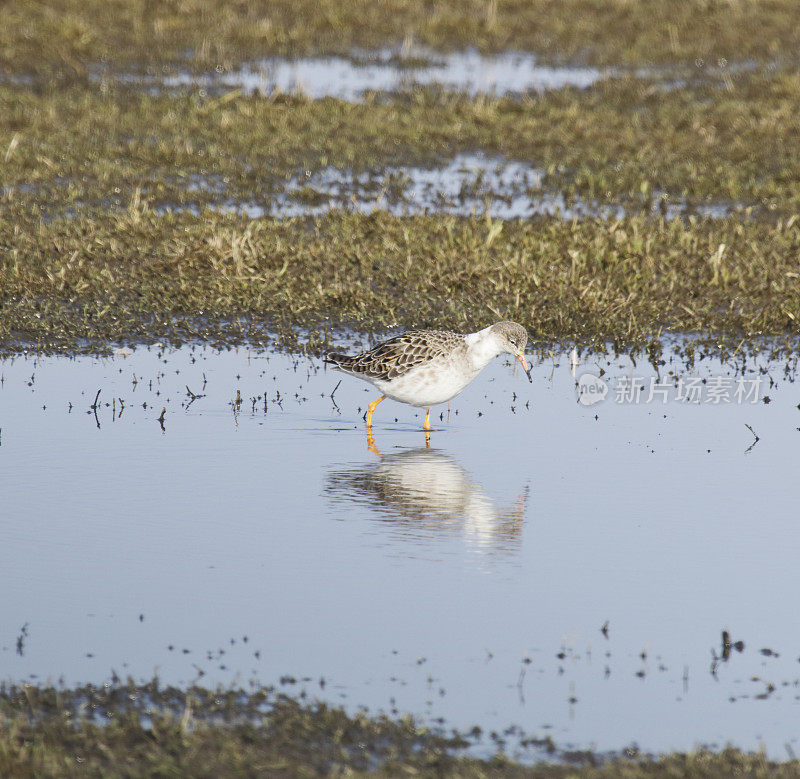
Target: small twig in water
333,393
755,436
23,634
93,407
192,396
520,685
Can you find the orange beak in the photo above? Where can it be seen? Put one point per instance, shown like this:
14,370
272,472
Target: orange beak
522,362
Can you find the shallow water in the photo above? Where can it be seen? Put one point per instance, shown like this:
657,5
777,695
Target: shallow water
509,73
348,79
468,580
393,70
470,183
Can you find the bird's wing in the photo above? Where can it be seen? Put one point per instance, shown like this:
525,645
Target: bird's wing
399,355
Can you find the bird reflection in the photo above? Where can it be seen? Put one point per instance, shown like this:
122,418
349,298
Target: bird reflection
424,493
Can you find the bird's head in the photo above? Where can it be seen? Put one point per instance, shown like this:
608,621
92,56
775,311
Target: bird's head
513,338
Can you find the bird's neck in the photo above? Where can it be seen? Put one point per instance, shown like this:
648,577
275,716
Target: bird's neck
482,348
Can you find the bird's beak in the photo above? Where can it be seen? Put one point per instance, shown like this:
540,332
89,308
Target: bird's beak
521,358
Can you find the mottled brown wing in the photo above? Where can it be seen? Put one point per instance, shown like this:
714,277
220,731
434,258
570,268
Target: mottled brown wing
400,354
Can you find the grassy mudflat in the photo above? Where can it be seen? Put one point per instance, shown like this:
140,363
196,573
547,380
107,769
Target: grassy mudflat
622,140
66,36
139,274
146,730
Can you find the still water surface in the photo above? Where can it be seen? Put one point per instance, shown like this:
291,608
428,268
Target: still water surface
468,580
343,78
467,184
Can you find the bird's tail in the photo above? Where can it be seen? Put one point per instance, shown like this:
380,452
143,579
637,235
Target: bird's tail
339,360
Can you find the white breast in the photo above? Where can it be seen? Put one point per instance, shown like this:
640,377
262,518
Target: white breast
428,385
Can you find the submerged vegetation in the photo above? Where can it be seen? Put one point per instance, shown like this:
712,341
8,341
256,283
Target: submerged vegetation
147,730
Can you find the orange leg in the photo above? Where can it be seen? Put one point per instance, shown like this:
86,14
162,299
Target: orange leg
371,410
371,443
427,425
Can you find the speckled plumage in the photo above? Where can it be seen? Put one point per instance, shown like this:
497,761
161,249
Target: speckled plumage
399,355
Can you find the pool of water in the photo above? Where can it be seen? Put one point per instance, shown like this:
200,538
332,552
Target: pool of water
469,183
386,70
550,559
396,70
382,71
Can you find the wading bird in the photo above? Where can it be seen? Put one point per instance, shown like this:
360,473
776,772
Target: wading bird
426,367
